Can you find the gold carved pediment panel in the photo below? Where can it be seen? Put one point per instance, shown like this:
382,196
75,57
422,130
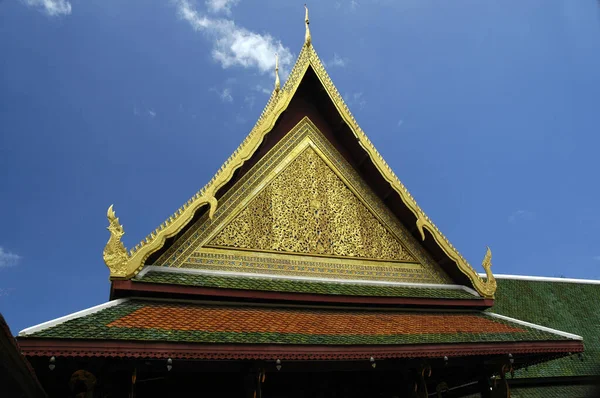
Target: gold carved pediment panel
303,210
308,209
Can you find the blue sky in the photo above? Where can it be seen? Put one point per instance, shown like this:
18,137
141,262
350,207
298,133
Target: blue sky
487,111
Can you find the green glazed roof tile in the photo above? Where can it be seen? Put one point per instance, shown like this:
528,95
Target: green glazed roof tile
296,286
566,306
558,391
201,323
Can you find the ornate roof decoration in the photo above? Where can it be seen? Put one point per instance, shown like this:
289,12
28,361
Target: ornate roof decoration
129,265
277,84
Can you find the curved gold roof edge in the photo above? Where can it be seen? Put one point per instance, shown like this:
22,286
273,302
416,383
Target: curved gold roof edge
277,103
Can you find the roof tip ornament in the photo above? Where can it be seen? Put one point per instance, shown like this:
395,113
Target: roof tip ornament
488,288
307,38
115,254
277,84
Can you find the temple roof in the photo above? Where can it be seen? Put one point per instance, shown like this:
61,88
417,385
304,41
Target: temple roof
308,72
185,322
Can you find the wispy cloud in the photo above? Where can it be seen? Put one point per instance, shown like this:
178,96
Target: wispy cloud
224,95
250,100
224,6
597,258
355,100
521,215
51,7
351,5
234,45
400,123
337,62
8,259
150,113
5,291
262,89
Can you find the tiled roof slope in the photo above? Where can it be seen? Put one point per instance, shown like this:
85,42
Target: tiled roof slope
570,307
564,391
300,286
205,323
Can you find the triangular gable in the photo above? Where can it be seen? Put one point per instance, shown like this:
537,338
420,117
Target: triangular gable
303,198
278,102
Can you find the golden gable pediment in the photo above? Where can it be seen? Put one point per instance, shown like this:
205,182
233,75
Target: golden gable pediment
303,210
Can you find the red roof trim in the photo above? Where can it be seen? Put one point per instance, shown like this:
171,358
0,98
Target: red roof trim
128,349
126,288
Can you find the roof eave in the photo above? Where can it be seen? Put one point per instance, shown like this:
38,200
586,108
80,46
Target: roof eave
143,349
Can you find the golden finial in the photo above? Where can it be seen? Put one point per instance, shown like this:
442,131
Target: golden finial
307,38
277,84
115,253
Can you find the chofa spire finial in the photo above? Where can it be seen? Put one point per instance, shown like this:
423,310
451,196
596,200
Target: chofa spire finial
277,84
307,38
115,254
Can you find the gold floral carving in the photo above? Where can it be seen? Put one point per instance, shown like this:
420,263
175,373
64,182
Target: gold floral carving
277,103
308,209
115,255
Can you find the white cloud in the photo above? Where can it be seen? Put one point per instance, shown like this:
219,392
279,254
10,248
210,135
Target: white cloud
597,258
355,100
224,95
519,215
151,113
8,259
51,7
234,45
262,89
337,62
223,6
400,123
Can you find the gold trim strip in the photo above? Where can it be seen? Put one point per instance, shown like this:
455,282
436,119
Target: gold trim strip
289,264
375,260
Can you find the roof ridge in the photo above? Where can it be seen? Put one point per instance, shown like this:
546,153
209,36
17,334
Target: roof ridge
534,326
547,279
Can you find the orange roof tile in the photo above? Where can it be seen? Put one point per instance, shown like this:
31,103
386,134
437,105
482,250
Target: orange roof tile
305,321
